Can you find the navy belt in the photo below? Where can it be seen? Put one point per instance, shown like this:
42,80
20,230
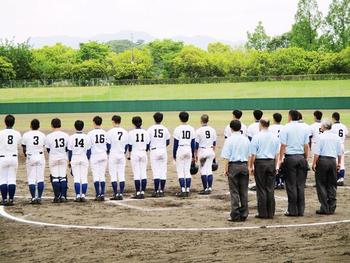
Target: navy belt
297,154
327,157
265,159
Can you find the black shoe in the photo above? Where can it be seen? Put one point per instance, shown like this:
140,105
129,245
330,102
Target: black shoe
288,214
10,202
155,194
203,192
320,212
97,198
114,197
260,217
63,199
230,219
33,201
56,200
102,198
181,194
136,196
120,197
142,196
161,194
77,200
187,194
82,199
38,201
3,203
209,191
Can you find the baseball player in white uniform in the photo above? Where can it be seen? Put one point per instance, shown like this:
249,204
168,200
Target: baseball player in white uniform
98,160
315,129
9,141
138,147
117,142
159,139
205,153
33,143
237,114
254,127
275,128
183,153
56,144
305,126
79,152
342,131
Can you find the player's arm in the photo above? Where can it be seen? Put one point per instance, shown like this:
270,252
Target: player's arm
175,146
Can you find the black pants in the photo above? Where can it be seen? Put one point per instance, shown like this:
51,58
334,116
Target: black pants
264,173
296,171
326,184
238,179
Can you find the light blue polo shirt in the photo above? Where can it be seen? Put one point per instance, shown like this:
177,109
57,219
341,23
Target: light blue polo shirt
264,145
294,135
236,148
328,144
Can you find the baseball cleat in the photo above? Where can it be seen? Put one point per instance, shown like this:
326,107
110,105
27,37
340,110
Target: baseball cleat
63,199
102,198
10,202
78,199
3,202
114,197
82,199
38,201
56,200
253,188
120,197
181,194
340,182
155,194
161,194
33,201
203,192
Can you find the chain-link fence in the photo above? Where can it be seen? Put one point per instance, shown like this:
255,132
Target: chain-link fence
114,82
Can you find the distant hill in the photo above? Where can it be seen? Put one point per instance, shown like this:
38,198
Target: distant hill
199,41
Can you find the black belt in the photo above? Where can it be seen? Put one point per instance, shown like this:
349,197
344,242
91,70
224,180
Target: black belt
265,159
327,157
238,162
297,154
211,147
13,155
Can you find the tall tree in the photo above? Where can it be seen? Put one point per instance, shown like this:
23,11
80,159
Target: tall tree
119,46
281,41
6,69
308,21
338,25
258,39
93,50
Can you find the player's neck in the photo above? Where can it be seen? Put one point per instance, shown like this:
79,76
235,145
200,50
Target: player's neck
9,128
56,129
97,127
79,132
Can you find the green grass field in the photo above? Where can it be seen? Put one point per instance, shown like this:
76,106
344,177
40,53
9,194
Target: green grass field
218,119
273,89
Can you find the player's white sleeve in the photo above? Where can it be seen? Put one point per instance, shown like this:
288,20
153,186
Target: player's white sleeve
176,134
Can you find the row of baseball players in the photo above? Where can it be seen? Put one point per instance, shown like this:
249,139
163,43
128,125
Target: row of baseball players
101,147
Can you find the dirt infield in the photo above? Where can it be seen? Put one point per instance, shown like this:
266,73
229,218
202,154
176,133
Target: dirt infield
22,242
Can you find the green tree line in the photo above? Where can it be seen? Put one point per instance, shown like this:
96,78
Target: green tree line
315,44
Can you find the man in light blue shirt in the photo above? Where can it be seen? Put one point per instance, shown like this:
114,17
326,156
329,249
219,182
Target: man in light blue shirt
236,156
295,148
327,151
264,150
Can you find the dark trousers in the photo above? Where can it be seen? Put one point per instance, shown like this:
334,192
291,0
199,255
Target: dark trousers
296,171
238,179
264,172
326,184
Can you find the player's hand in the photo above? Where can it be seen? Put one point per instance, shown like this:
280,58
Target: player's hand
314,167
225,172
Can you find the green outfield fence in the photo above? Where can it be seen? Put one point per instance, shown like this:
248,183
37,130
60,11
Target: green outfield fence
177,105
113,82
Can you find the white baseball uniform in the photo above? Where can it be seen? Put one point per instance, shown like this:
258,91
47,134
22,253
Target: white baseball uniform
98,158
342,131
57,142
184,134
34,142
9,141
118,138
253,129
79,144
275,129
206,139
138,140
159,135
315,129
228,130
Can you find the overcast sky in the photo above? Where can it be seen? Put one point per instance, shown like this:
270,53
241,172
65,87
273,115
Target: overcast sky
225,19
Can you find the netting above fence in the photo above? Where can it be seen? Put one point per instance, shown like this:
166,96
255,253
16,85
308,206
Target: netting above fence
114,82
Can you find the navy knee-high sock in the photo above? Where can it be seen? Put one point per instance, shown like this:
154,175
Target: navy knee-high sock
32,190
97,188
103,187
56,189
122,187
137,185
77,188
341,174
64,188
12,191
115,187
40,189
3,189
204,181
210,180
182,183
162,184
143,184
84,188
188,183
156,184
